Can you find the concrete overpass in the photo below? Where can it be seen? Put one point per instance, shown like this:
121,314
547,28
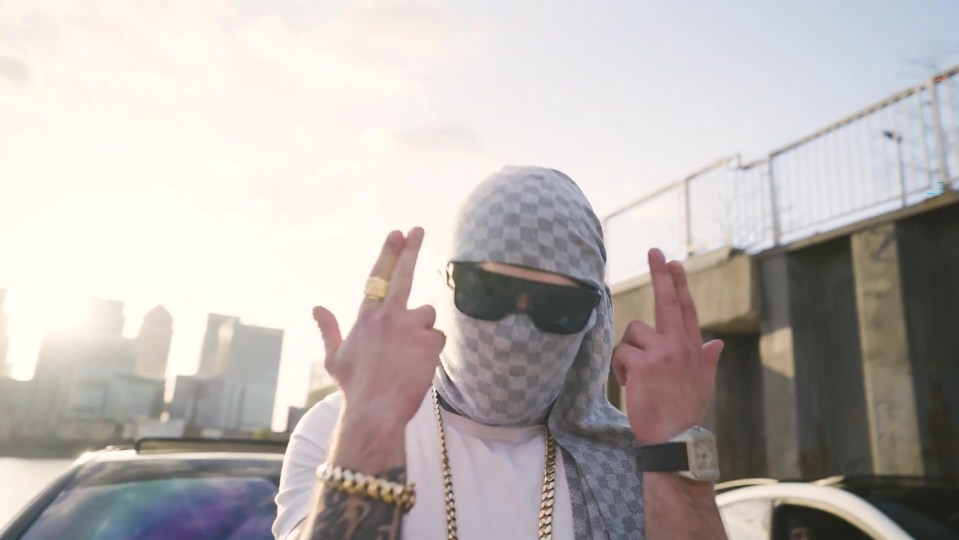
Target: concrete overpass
842,348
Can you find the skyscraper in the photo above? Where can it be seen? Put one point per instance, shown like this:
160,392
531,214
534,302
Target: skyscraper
153,343
247,355
219,331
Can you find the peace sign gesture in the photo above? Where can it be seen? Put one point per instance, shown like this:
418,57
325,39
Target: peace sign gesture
386,363
668,373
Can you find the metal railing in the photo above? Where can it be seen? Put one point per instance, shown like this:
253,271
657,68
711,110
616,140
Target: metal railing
893,154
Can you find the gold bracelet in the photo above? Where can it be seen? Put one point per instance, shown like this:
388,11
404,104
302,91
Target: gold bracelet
355,483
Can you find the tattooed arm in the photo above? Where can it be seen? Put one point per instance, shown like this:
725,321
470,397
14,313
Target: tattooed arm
363,443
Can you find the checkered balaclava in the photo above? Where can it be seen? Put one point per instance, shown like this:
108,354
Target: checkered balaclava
508,372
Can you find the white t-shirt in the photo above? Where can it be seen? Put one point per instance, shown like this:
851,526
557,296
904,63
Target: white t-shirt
497,476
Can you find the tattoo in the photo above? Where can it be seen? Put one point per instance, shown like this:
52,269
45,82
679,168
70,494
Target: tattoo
341,516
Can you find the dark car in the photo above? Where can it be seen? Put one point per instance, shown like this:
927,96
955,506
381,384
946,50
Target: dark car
160,489
841,508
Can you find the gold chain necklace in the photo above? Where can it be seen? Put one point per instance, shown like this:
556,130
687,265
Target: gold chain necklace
549,481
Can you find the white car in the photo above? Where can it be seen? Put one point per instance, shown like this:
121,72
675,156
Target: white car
841,508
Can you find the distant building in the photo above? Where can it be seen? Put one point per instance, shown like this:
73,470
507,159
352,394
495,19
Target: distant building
153,343
186,396
13,406
202,402
153,427
105,385
216,341
246,355
50,386
85,379
5,367
293,417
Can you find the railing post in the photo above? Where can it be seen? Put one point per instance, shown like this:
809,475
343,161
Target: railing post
773,209
941,150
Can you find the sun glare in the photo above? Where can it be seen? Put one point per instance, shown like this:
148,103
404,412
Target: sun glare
31,314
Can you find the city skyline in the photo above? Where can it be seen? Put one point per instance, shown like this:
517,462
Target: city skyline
93,383
149,347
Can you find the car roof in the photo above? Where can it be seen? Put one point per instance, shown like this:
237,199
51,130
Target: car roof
190,449
132,455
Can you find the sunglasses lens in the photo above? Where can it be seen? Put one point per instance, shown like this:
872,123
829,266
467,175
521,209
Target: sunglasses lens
562,310
557,309
479,294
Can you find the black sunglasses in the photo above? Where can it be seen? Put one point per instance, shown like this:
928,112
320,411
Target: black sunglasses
489,296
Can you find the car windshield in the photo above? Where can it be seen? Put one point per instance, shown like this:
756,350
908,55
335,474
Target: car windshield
160,499
925,509
928,519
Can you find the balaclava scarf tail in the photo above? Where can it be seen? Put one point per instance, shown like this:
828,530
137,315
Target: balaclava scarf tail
539,218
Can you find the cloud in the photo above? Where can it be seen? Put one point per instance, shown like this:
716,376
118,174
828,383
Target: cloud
14,71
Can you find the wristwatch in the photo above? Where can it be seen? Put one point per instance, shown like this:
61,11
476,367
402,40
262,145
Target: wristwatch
691,454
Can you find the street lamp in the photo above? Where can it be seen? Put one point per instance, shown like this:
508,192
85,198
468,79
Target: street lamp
897,138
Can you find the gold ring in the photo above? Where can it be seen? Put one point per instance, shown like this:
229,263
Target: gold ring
376,288
440,332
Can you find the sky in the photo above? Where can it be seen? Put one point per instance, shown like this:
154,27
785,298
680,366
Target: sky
248,157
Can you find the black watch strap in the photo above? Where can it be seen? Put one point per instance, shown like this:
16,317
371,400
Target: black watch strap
666,457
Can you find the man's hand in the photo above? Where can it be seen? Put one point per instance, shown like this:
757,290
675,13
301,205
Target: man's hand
670,379
386,364
668,374
384,368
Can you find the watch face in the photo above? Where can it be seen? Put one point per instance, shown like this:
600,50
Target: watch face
703,462
705,455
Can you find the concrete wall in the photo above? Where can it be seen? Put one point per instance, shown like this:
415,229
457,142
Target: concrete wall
842,353
887,372
929,264
737,413
778,360
831,403
725,285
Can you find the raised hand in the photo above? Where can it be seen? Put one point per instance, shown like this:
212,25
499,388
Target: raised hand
668,373
386,363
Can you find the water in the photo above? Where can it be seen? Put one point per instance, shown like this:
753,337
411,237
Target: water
22,479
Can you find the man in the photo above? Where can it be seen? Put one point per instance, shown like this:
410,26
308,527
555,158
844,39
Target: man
504,427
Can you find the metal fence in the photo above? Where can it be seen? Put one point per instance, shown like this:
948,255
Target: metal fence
895,153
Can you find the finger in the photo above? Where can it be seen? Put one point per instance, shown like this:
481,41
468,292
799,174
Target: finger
402,280
384,265
424,316
329,329
439,340
686,305
641,335
622,354
712,350
669,318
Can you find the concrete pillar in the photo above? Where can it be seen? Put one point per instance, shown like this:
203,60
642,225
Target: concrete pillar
894,440
778,371
928,249
831,397
736,416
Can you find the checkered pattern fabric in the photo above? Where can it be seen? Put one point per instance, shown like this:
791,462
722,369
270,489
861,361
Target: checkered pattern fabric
509,373
506,373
